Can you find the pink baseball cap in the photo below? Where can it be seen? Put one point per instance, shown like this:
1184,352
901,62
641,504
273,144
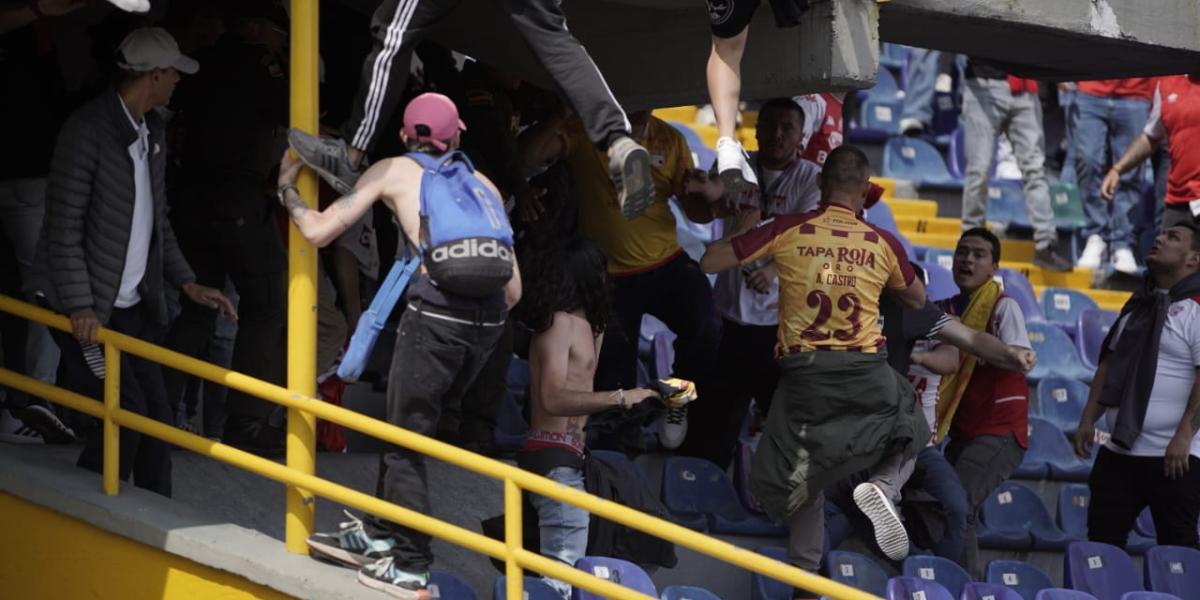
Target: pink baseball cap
432,118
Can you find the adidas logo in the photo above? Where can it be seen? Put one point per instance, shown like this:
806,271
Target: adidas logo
471,248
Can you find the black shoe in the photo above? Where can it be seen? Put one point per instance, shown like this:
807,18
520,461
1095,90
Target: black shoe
254,436
1048,258
45,422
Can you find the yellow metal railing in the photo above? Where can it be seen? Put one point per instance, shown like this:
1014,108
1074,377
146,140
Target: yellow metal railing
515,480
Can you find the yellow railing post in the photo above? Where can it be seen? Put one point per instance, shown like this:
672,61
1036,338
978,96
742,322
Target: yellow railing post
110,473
512,539
302,283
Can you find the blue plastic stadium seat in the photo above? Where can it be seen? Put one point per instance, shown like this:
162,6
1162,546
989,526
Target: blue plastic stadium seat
857,571
1090,330
916,160
1073,502
1014,510
915,588
1061,402
941,282
662,354
956,154
1173,569
1017,286
1101,570
765,588
1056,354
616,571
1149,596
1061,594
988,591
687,592
947,573
445,585
1048,445
942,257
880,215
689,135
693,486
879,118
1063,305
741,476
1021,577
535,589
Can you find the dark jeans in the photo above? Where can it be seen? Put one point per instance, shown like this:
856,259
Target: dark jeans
934,477
1122,486
680,296
435,363
473,419
982,464
252,257
745,369
541,23
142,392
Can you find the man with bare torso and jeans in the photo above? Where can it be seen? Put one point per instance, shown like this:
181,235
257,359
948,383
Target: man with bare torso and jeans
566,307
443,341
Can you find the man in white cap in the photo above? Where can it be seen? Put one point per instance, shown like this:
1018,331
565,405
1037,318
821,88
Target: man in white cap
107,250
448,331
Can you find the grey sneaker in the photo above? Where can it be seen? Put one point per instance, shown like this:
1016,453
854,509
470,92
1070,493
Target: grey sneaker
1047,257
350,546
383,575
889,530
629,167
327,156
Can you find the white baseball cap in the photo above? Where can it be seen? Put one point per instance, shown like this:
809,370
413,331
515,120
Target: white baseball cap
152,48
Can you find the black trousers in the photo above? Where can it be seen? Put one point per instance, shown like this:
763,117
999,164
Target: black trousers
473,419
436,361
142,392
251,255
745,369
982,464
1123,486
398,26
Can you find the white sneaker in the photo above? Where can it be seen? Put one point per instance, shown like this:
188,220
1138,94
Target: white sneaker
15,431
911,126
1124,262
133,6
674,428
889,530
732,157
1093,253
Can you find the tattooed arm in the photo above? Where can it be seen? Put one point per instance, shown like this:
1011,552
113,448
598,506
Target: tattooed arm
321,228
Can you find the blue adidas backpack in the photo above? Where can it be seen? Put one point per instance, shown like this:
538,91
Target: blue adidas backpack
466,241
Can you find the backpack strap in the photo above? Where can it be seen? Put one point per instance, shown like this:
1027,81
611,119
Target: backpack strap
391,289
436,164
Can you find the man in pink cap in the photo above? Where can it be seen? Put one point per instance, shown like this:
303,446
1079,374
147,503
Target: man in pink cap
444,339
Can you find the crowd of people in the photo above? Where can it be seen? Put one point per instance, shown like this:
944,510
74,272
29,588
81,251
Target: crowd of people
152,189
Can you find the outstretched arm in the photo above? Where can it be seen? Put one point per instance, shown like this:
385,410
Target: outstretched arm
988,347
322,227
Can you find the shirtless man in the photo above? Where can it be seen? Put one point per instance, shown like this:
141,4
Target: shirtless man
443,342
566,307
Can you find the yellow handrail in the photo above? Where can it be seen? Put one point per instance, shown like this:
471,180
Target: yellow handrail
515,480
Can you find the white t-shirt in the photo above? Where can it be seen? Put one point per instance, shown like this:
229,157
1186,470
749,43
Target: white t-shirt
925,383
792,190
1178,357
142,225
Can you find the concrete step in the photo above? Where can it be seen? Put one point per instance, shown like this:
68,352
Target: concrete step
912,208
1079,279
1106,299
936,225
1010,250
889,187
683,114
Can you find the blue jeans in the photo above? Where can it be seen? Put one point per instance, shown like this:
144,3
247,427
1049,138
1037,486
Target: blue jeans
934,476
922,75
1066,100
564,528
1104,128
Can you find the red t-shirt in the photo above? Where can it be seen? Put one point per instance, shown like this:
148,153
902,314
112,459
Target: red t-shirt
1175,115
822,125
1141,88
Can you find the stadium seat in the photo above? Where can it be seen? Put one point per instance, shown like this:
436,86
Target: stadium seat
1013,510
1017,287
878,119
942,257
689,135
881,215
1056,354
988,591
918,161
947,573
893,56
1021,577
940,284
857,571
916,588
1101,570
445,585
1006,204
1143,530
616,571
1062,307
741,476
535,589
886,87
662,354
1061,594
765,588
1073,501
1090,330
1173,569
687,592
946,116
1149,596
1067,207
1061,402
1049,445
693,486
